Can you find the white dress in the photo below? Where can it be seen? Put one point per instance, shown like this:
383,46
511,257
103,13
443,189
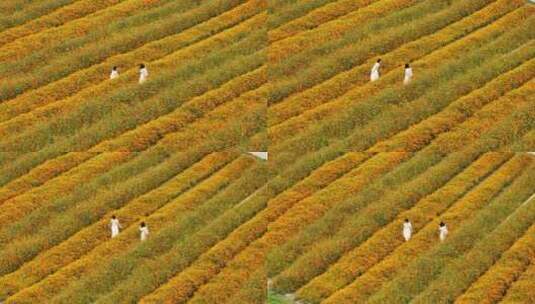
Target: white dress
443,232
114,74
407,231
144,232
143,74
114,224
408,76
374,75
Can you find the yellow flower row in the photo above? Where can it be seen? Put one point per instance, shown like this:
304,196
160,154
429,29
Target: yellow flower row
41,174
56,18
409,52
181,287
79,27
456,275
167,63
283,227
248,87
306,187
235,122
316,18
97,74
143,138
464,132
394,118
388,238
463,108
137,140
522,290
327,110
21,205
491,286
284,48
187,238
81,252
407,284
487,118
425,239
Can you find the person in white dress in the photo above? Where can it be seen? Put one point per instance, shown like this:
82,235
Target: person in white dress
408,74
114,73
407,230
374,75
143,73
442,231
115,226
143,231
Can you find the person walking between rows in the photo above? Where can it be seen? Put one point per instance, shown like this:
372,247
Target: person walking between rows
407,230
143,73
374,75
408,74
114,73
114,226
143,231
442,231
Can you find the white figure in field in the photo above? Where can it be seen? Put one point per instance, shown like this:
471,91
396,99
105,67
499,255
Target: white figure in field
143,73
442,231
408,74
374,75
143,231
407,230
114,73
115,226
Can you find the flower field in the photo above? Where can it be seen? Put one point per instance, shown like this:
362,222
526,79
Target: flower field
201,198
449,146
77,147
321,91
352,251
319,218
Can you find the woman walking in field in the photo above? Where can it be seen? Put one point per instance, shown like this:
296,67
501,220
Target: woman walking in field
114,73
408,74
115,226
442,231
374,75
143,231
143,73
407,230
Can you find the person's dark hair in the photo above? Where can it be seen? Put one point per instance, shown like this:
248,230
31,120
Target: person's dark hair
142,224
141,66
113,216
379,60
406,65
442,224
114,68
407,220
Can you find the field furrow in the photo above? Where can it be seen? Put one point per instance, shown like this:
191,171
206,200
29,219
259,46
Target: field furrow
522,290
373,250
442,42
317,17
492,286
47,236
84,259
216,31
70,10
335,29
358,107
79,104
461,240
26,45
474,263
425,237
